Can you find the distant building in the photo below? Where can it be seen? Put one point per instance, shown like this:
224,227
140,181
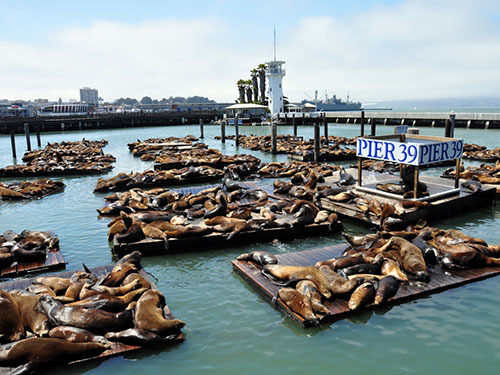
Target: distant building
41,101
89,96
247,112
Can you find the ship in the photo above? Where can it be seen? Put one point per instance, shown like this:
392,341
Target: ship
333,104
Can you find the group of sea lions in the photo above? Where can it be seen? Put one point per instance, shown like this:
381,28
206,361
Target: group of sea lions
151,178
27,246
287,144
60,319
81,157
476,152
151,146
482,174
163,214
35,189
372,268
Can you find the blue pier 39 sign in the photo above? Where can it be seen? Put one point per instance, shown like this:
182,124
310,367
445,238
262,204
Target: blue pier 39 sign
416,151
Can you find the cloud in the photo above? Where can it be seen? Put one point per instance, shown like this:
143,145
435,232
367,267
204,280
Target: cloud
416,49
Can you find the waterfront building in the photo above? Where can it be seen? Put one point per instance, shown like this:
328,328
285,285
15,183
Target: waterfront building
247,112
89,96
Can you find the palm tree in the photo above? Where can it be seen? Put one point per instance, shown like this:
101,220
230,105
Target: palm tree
262,82
248,88
241,88
255,84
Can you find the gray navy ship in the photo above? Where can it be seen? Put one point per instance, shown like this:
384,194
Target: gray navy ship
333,104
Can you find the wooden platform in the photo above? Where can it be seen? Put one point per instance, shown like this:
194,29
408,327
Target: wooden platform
217,240
53,262
438,208
116,348
440,280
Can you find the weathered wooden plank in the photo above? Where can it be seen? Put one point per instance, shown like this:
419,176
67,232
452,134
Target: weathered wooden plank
53,261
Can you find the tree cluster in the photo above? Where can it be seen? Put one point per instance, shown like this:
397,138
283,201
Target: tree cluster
170,100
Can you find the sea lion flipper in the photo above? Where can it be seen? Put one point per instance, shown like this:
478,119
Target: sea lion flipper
86,269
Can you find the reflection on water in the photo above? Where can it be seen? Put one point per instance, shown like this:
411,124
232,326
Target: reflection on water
230,328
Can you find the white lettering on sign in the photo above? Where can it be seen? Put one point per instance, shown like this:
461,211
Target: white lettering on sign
409,153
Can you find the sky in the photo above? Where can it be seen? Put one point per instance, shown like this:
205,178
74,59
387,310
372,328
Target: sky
372,50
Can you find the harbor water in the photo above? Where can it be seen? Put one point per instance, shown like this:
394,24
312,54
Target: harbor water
230,329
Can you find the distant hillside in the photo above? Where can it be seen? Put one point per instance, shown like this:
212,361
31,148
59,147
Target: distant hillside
447,103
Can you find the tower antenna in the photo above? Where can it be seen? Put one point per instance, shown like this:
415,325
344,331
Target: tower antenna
274,42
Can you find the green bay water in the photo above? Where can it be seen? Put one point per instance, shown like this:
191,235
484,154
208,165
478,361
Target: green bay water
230,329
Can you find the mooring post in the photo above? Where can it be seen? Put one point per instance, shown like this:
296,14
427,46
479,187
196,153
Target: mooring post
360,170
38,138
236,130
452,122
316,143
13,141
223,131
415,183
457,173
373,126
325,127
294,121
201,128
274,137
362,123
27,132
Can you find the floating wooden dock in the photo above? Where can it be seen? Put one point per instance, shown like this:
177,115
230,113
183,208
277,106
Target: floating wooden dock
445,206
53,262
116,347
216,240
440,280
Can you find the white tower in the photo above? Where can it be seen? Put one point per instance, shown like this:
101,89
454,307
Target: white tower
275,74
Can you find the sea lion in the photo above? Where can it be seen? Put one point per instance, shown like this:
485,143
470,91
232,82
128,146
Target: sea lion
90,319
143,283
345,178
391,268
373,269
108,302
341,262
430,253
463,255
392,188
387,210
149,314
24,255
298,303
387,288
259,257
74,334
152,232
36,352
30,310
309,290
90,288
11,324
362,296
339,285
137,337
298,273
413,261
41,290
57,284
367,239
189,231
133,233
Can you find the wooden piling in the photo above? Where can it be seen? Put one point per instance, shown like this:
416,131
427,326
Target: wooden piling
373,127
236,130
316,143
362,123
38,138
201,129
457,173
325,128
415,183
274,137
360,170
27,132
452,124
447,128
223,131
294,121
13,142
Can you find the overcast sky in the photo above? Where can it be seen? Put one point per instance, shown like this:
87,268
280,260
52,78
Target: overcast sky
374,50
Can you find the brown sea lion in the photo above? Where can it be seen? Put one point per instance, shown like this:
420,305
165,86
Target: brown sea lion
413,261
341,262
298,303
365,277
309,290
74,334
116,228
32,315
143,283
90,288
90,319
373,269
463,255
391,268
367,239
149,314
391,188
387,288
107,302
11,324
259,257
133,233
136,337
339,285
78,280
362,296
189,231
117,274
57,284
286,273
152,232
36,352
41,290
